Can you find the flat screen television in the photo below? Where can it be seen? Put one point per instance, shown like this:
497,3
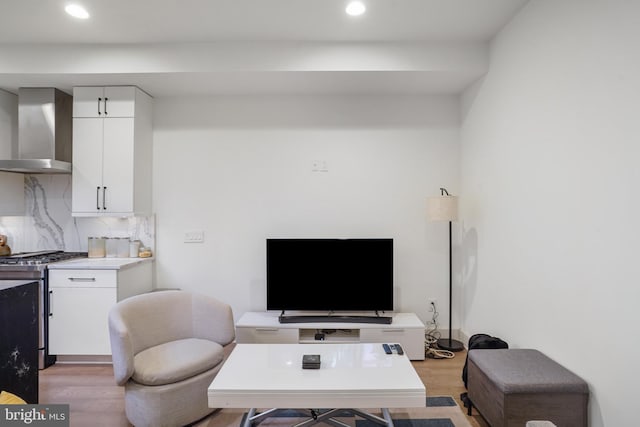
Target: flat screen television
330,274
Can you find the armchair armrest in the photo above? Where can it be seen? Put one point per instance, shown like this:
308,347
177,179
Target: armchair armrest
213,320
121,347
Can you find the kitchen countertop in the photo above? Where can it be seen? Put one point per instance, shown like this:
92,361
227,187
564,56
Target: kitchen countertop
8,284
99,263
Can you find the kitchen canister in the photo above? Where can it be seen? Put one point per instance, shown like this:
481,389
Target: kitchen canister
134,248
111,244
96,247
123,247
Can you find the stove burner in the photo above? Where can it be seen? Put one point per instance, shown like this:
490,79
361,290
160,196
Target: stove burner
39,258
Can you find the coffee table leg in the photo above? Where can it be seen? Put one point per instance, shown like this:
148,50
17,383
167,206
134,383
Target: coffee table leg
387,417
325,416
387,421
247,421
252,417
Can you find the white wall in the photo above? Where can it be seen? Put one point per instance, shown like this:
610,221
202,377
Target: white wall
550,200
239,168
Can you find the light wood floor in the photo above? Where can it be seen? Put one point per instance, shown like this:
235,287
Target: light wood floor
95,400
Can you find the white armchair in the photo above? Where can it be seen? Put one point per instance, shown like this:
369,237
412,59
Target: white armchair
167,347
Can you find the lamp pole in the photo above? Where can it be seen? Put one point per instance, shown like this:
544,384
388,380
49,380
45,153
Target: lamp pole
449,343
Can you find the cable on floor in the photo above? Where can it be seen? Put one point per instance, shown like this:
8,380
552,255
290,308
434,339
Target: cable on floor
432,336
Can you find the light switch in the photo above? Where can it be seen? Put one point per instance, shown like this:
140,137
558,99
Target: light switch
319,166
196,236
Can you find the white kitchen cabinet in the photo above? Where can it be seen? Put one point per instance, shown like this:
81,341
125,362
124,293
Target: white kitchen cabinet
80,312
111,172
263,327
107,101
79,304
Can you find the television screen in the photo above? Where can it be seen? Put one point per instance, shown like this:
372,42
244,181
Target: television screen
330,274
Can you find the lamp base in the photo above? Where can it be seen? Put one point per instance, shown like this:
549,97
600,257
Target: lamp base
450,344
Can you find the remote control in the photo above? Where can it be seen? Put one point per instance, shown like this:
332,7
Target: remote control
387,349
399,349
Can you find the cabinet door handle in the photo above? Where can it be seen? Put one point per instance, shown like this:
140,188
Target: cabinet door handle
105,106
99,113
104,195
81,279
98,198
267,329
392,330
49,303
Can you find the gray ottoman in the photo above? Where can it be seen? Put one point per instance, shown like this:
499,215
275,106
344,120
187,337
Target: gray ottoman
511,387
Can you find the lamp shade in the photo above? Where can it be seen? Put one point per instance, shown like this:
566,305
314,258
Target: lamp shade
442,208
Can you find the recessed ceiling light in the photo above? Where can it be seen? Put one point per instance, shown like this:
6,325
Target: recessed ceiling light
355,8
77,11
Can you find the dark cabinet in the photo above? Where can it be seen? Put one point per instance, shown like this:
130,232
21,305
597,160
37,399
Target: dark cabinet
19,339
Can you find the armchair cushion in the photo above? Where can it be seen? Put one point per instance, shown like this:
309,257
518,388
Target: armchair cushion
175,361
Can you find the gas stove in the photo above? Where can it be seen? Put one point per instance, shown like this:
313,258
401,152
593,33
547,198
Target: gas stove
35,261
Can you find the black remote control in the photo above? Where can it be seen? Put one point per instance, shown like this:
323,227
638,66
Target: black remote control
399,349
387,349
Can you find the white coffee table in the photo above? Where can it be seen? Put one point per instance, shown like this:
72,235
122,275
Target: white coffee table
350,376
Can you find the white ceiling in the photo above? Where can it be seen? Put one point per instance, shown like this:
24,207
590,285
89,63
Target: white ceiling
29,26
170,21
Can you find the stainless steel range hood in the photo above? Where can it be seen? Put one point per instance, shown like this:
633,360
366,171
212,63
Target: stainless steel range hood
44,132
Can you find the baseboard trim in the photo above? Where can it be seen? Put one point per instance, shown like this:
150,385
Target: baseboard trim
84,359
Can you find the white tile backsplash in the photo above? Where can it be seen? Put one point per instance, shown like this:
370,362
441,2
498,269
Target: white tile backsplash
48,223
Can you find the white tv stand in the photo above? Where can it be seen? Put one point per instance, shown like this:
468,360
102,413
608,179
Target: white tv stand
263,327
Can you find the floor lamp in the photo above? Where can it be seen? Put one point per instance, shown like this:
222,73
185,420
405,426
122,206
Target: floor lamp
445,208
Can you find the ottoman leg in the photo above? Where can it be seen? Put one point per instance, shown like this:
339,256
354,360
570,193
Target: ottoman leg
464,397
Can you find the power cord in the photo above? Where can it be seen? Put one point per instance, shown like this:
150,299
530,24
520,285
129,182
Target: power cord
432,336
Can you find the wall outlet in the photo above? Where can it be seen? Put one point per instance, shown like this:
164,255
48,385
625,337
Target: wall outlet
432,305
